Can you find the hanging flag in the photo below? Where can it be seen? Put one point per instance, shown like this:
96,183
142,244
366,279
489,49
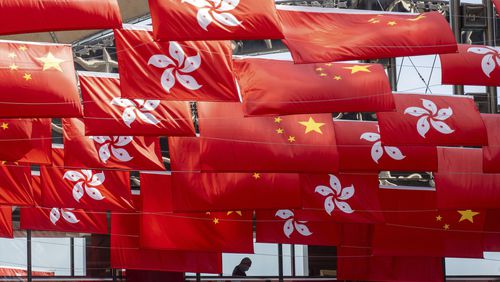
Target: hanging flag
445,120
361,149
127,254
491,152
295,227
122,152
492,231
94,190
15,185
298,143
461,183
37,80
472,65
179,71
6,230
343,197
229,232
50,15
105,112
497,6
322,35
415,227
330,87
214,20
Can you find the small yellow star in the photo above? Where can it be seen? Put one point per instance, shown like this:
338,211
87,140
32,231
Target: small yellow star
446,227
237,212
320,69
216,221
467,215
328,64
358,68
439,218
23,48
417,18
4,125
322,74
280,130
14,67
51,62
392,23
291,139
12,55
278,120
337,77
312,125
256,175
208,213
27,76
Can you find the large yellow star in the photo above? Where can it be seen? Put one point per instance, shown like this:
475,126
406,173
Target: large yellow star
312,125
357,68
51,62
4,126
467,215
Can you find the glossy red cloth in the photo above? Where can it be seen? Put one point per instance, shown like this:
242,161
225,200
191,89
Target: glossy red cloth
15,185
491,152
6,230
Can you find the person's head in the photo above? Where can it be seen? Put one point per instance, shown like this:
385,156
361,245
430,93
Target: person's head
245,264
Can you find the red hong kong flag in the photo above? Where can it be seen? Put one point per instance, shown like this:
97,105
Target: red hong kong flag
316,35
127,254
15,185
229,231
6,230
296,227
361,149
50,15
330,87
84,188
472,65
214,20
444,120
179,71
297,143
491,153
122,152
37,80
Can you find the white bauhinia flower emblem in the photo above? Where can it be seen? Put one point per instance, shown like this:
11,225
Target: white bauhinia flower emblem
67,214
291,224
490,60
137,108
336,195
86,182
177,70
111,146
431,114
378,150
215,10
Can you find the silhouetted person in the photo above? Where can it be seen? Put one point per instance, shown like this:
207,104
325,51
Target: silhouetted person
243,267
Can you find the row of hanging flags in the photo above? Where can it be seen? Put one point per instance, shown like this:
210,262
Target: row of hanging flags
268,151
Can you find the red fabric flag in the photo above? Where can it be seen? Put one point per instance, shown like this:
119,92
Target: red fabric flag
214,20
295,227
37,80
106,112
361,149
50,15
207,232
343,197
182,71
497,6
315,35
231,142
330,87
415,227
6,230
445,120
15,185
122,152
126,252
84,188
472,65
26,140
461,183
491,153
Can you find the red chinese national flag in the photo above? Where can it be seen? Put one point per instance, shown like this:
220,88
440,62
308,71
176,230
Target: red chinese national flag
296,227
361,149
343,197
472,65
445,120
127,254
6,230
214,20
84,188
28,16
415,227
315,35
122,152
491,153
37,80
179,71
15,185
461,183
105,112
298,143
330,87
211,231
